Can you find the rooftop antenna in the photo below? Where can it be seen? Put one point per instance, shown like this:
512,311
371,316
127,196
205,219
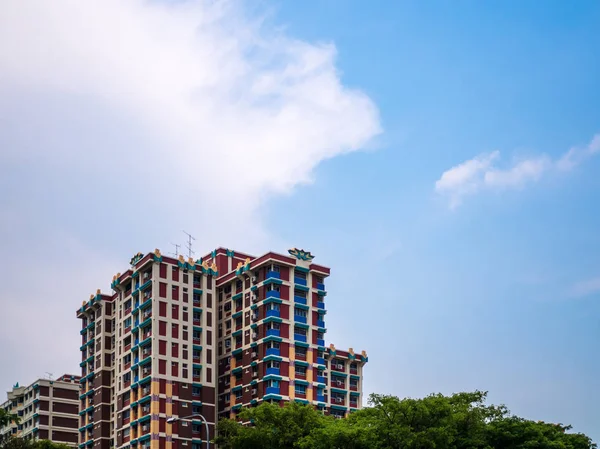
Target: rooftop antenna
176,253
49,376
189,244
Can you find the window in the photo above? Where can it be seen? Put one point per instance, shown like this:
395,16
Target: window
239,286
300,293
162,308
299,330
300,274
300,389
300,351
273,383
175,330
273,306
354,383
273,364
300,312
127,323
196,391
228,324
300,370
238,394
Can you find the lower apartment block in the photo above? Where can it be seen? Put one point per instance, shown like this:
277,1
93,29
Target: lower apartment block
47,410
189,339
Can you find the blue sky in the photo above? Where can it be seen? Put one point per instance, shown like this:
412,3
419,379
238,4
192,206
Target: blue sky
439,156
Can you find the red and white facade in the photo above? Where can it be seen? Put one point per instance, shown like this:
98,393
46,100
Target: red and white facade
177,338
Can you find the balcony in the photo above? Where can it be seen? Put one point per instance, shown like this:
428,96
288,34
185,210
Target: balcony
273,351
273,313
197,322
320,323
299,281
320,305
197,341
320,398
273,333
273,294
353,404
300,319
300,300
338,367
128,311
320,361
353,387
273,371
322,379
320,342
273,275
320,286
299,337
353,370
272,390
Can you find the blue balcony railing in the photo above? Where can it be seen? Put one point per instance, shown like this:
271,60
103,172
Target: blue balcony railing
300,300
273,313
320,398
300,319
299,281
272,390
320,360
320,342
273,294
320,305
273,351
273,333
298,337
320,323
273,371
320,286
273,274
322,379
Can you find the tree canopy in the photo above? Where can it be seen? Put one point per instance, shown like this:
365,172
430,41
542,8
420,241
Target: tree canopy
22,443
460,421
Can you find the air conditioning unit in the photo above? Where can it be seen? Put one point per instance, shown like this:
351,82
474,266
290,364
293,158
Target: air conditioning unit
255,374
338,400
254,279
254,298
254,317
254,354
340,367
247,371
254,336
146,275
145,428
338,382
254,391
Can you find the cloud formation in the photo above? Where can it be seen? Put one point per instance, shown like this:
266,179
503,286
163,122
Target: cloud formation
124,122
586,288
481,173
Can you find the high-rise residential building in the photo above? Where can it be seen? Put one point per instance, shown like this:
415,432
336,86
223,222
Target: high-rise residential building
47,410
181,338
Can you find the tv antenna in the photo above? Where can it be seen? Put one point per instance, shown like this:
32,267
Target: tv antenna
189,244
49,376
176,253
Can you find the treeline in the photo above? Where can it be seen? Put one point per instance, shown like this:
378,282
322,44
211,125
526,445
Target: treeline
460,421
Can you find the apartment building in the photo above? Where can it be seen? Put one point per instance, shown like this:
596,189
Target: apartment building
180,338
47,410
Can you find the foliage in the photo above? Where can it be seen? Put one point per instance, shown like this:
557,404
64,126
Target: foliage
6,418
460,421
22,443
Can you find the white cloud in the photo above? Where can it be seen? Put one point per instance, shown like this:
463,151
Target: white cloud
480,173
586,288
465,178
127,121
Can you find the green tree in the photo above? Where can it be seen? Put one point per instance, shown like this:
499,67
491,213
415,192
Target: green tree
459,421
7,418
270,427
